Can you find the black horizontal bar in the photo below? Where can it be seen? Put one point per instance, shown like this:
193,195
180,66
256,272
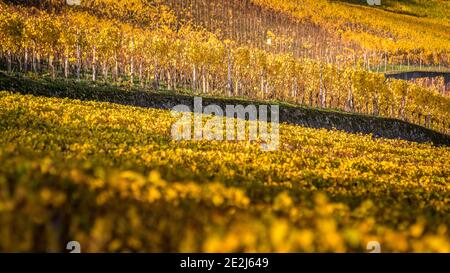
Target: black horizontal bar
195,262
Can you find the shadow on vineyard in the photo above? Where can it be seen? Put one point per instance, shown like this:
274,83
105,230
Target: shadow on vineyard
112,140
163,99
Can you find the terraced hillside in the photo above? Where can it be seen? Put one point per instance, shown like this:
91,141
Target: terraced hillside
112,178
146,44
394,33
166,99
90,151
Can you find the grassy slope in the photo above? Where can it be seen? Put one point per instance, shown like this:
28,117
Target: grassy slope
432,15
437,9
293,114
110,177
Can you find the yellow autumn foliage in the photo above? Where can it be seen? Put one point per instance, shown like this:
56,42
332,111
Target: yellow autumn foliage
111,177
